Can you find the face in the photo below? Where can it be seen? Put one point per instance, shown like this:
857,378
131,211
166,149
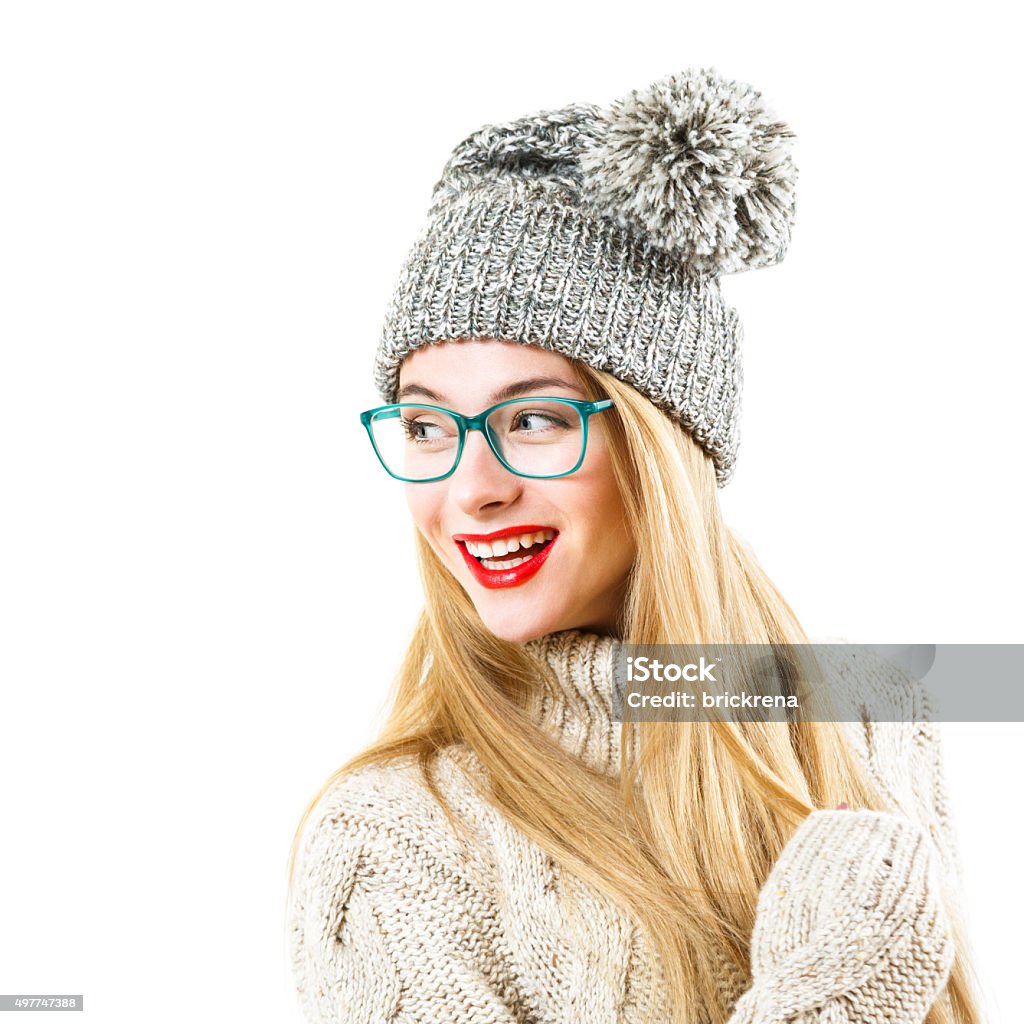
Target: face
581,579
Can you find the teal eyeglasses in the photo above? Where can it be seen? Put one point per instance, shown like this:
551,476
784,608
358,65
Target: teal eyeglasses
540,438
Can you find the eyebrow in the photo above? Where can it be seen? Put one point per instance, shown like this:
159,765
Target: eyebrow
521,387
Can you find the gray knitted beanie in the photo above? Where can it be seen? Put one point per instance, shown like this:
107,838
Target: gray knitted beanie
601,234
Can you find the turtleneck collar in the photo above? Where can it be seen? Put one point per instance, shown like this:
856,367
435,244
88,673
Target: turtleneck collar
577,712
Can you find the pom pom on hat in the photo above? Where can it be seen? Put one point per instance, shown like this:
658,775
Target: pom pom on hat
698,163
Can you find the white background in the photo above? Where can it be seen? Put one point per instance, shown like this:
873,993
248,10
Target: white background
205,578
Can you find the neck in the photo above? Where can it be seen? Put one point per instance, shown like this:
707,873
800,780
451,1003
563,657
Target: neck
576,708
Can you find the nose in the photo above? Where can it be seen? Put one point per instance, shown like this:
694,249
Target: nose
480,481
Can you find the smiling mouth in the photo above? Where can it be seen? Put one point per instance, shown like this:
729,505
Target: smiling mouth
509,552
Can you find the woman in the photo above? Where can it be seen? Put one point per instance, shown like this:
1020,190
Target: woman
561,379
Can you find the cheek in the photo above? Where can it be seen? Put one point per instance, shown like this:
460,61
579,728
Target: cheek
607,522
422,506
425,504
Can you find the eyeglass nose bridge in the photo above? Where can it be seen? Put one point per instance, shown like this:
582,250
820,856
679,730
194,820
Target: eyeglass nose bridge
479,422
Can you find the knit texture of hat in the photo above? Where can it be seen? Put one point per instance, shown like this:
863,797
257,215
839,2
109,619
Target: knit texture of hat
601,234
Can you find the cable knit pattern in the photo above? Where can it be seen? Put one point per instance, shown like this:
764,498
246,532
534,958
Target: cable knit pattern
394,918
850,925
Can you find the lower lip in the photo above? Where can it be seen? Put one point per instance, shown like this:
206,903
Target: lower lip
494,579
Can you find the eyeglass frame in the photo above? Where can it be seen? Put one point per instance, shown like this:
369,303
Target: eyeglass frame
478,422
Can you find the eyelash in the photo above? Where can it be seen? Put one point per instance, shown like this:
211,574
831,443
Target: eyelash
410,425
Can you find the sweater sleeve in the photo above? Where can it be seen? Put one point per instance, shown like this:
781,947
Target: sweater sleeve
894,873
891,727
902,744
928,783
381,929
851,926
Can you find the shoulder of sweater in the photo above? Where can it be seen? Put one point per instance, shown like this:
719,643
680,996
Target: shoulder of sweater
390,806
869,687
885,711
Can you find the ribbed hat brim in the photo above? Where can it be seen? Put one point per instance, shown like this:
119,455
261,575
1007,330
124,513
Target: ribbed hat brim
498,262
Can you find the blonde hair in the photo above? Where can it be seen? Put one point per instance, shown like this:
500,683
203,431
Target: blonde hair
686,853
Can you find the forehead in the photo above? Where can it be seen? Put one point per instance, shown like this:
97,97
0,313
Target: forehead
472,370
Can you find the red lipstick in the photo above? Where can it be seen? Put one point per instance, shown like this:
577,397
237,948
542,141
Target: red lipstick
494,579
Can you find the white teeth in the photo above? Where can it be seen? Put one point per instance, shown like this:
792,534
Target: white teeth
507,545
489,563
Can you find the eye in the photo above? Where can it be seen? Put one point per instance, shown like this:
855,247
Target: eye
533,420
423,430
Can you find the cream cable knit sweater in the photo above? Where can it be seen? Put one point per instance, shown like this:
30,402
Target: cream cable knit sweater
393,920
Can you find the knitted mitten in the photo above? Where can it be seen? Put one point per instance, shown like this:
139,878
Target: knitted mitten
850,926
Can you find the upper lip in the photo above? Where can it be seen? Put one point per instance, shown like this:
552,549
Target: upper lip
510,531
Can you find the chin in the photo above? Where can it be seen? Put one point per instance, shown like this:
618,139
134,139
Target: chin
518,628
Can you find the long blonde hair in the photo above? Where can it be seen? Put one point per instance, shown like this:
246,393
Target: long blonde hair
686,853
